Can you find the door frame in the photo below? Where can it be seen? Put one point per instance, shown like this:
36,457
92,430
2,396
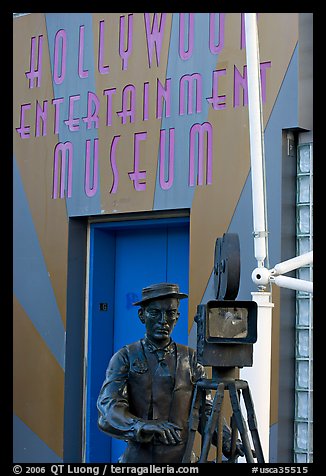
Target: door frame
121,222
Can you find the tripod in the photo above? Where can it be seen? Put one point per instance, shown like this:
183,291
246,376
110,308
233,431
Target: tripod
223,380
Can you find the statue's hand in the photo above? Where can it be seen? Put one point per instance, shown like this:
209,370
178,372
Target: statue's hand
238,449
164,431
226,447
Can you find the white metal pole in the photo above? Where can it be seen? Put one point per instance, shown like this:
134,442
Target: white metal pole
259,375
293,263
292,283
256,137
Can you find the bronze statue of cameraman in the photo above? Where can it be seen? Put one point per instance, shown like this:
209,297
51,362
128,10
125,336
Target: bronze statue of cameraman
147,393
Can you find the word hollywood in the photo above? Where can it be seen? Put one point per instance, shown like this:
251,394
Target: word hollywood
74,114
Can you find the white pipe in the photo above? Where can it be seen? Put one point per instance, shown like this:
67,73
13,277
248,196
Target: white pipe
294,263
256,137
259,376
292,283
263,276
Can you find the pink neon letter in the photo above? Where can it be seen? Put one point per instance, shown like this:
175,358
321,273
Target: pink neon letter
125,112
186,54
35,73
221,18
102,69
108,93
218,102
145,102
113,163
56,103
240,81
199,130
263,67
165,185
163,94
41,114
137,174
81,72
92,116
63,148
125,53
91,191
71,122
60,35
23,130
190,78
154,36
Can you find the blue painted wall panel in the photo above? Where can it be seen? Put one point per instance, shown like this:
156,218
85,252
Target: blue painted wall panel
180,195
79,203
31,282
28,447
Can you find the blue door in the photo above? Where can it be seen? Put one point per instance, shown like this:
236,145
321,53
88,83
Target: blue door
125,257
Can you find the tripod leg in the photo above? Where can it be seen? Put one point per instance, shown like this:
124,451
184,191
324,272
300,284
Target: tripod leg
253,424
241,424
211,423
203,416
234,435
193,425
219,437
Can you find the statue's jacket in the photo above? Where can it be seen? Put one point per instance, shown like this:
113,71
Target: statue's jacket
133,393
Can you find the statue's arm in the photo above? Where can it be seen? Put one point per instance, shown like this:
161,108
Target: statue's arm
114,416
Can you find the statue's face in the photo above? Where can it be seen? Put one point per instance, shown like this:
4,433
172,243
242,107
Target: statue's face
160,317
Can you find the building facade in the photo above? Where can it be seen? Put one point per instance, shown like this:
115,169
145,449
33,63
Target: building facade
130,158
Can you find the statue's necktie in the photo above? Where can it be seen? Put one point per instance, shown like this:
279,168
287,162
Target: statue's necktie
162,369
162,387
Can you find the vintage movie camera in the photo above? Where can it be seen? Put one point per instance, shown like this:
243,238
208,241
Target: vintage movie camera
226,332
226,328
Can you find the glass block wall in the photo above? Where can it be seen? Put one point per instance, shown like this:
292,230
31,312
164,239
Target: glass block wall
303,419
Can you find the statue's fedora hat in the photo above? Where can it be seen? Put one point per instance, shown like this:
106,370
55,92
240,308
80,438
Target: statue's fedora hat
159,291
